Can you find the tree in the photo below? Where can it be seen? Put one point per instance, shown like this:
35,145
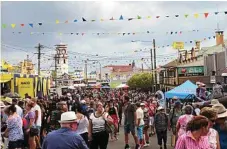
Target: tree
140,80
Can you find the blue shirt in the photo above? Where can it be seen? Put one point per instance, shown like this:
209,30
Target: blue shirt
222,136
64,138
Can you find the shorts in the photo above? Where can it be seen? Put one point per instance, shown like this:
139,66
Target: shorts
140,132
151,121
15,144
129,128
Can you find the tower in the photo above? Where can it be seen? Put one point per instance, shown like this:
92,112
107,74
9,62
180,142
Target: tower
62,59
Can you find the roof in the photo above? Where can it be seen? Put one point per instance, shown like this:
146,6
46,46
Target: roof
120,68
212,49
173,63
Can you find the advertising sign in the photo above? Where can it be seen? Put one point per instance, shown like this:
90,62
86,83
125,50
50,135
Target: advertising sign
178,45
25,85
191,70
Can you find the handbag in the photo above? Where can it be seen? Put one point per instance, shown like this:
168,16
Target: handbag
34,132
108,127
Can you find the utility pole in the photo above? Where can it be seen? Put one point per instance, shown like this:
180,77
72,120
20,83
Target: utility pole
39,47
152,82
86,72
55,69
155,73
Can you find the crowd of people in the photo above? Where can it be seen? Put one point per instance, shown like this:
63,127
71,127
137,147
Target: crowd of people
84,118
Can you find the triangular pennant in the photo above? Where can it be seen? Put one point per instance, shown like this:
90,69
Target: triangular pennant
43,33
129,19
148,17
171,33
3,25
101,20
216,13
175,32
121,17
204,38
225,12
40,24
133,33
13,25
22,25
97,33
138,17
148,32
128,33
112,18
209,37
77,33
57,21
206,14
82,34
167,16
75,20
123,34
66,21
196,15
19,32
190,41
176,15
213,36
92,20
31,24
84,20
71,33
157,17
180,32
186,15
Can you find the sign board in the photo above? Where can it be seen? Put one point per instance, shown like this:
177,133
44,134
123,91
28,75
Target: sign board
178,45
212,79
190,70
25,85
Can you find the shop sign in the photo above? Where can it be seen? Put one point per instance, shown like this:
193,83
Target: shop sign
212,79
191,70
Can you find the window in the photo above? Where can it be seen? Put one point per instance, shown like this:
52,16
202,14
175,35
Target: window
64,61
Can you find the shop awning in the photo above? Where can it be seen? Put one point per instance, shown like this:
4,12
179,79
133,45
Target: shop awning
5,78
4,81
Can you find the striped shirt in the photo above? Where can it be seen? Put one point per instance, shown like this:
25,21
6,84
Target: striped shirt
187,141
98,123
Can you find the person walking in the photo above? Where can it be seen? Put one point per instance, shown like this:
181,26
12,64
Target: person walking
140,123
65,137
194,138
129,122
161,123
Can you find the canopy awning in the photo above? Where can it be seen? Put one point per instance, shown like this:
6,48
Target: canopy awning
5,78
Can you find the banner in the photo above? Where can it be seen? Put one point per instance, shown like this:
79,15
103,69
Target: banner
25,85
178,45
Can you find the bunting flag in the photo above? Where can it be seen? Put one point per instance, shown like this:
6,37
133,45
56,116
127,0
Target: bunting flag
3,25
13,25
171,33
121,17
84,20
31,25
206,14
139,17
196,15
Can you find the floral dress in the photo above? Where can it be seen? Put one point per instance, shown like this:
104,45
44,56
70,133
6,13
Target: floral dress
183,121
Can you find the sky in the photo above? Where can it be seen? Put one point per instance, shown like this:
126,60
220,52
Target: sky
110,48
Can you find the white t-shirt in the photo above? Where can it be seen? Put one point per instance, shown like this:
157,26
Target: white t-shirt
140,115
197,111
19,111
39,120
98,123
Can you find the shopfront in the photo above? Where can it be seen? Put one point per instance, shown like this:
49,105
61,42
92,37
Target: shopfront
190,71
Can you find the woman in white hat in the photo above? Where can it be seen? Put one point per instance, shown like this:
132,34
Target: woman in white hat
221,124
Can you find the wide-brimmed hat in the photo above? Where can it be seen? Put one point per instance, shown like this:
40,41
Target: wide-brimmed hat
221,110
214,102
142,104
2,105
82,101
68,117
160,108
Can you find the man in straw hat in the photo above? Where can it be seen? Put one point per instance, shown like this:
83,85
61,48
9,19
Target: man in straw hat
65,137
221,124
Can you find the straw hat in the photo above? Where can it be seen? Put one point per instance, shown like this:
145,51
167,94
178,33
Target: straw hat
160,108
68,117
221,110
214,102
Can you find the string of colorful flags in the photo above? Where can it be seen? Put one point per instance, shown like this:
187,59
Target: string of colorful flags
179,32
121,18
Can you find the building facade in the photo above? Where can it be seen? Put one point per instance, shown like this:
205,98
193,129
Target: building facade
62,59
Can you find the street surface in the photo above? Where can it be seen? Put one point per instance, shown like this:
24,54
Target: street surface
119,144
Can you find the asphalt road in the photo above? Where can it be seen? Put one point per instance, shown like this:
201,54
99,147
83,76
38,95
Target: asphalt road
119,144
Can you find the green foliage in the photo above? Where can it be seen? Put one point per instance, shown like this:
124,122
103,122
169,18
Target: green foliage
140,80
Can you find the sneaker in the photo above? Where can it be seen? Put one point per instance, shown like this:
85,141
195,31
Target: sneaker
137,146
146,144
127,146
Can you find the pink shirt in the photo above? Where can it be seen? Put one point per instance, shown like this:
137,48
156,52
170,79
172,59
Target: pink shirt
186,141
183,121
